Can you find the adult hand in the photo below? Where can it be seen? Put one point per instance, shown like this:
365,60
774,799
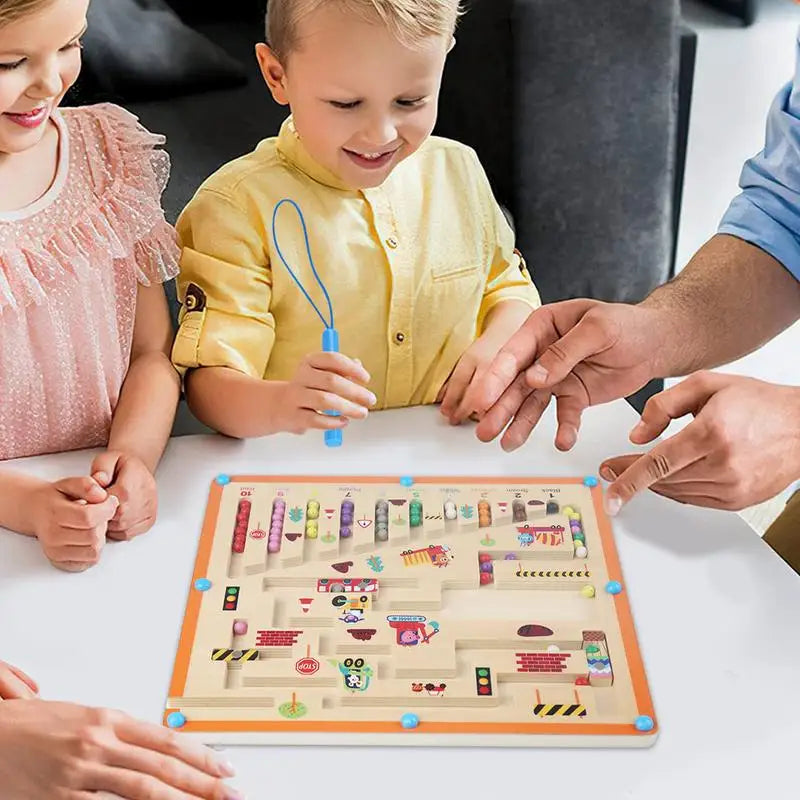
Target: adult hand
127,478
61,751
15,684
583,352
742,447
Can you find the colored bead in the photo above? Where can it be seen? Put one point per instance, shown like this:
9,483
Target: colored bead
588,590
382,535
590,481
644,723
273,547
567,510
348,504
240,627
202,584
409,721
581,552
176,720
578,537
574,517
613,587
312,513
406,480
345,533
223,480
312,533
483,557
510,557
486,577
553,648
486,566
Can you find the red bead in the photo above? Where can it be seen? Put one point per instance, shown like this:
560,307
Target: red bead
484,557
486,577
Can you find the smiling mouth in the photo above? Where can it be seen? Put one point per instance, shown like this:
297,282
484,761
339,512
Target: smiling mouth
29,119
371,160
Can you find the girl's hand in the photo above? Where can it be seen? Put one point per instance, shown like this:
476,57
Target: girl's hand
15,684
69,752
325,382
128,479
70,518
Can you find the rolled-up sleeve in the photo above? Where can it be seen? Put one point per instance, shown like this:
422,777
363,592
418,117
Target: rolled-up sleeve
225,287
767,212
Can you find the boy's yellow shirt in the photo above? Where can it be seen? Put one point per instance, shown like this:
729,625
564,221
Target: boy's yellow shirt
412,267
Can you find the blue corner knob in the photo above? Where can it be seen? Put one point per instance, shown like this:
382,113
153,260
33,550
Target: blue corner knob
644,723
406,480
223,480
409,721
202,584
613,587
176,720
590,481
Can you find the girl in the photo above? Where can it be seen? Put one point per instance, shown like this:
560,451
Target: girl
84,325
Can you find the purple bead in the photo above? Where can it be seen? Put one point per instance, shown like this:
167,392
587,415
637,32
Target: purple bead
348,504
280,504
347,520
274,547
345,533
510,557
486,566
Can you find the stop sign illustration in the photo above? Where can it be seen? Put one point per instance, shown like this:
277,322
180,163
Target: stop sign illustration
307,666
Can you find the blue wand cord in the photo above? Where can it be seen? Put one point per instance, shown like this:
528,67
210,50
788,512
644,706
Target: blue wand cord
330,337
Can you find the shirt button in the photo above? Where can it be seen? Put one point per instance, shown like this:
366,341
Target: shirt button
392,242
399,337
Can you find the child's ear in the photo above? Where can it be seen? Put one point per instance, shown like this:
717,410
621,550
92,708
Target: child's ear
273,72
452,44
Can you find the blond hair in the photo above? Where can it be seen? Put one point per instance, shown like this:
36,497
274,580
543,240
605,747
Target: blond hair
12,10
410,21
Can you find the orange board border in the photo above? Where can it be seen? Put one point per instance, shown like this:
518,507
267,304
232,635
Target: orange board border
622,608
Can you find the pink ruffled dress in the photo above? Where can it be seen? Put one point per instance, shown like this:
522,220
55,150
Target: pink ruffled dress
70,266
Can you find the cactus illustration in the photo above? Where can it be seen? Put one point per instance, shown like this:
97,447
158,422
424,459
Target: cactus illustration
468,512
296,514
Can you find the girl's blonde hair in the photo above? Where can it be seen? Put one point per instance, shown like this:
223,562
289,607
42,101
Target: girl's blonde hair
12,10
409,20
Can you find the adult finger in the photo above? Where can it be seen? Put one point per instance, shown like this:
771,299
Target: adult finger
132,785
84,488
537,333
170,771
16,685
502,412
169,743
341,365
686,397
665,459
588,337
571,402
526,419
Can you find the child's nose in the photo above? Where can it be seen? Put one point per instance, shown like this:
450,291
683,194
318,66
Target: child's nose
382,131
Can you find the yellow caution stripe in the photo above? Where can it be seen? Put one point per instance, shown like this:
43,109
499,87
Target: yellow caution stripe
559,710
222,654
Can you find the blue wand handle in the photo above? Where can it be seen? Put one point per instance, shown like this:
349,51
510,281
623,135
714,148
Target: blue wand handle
330,344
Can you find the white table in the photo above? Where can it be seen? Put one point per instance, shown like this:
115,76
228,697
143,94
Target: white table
718,617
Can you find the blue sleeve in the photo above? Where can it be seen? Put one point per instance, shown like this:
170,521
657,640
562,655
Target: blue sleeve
767,212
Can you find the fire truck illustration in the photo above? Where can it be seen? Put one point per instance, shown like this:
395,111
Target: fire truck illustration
551,535
437,555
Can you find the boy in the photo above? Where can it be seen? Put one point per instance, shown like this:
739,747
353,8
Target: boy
420,262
